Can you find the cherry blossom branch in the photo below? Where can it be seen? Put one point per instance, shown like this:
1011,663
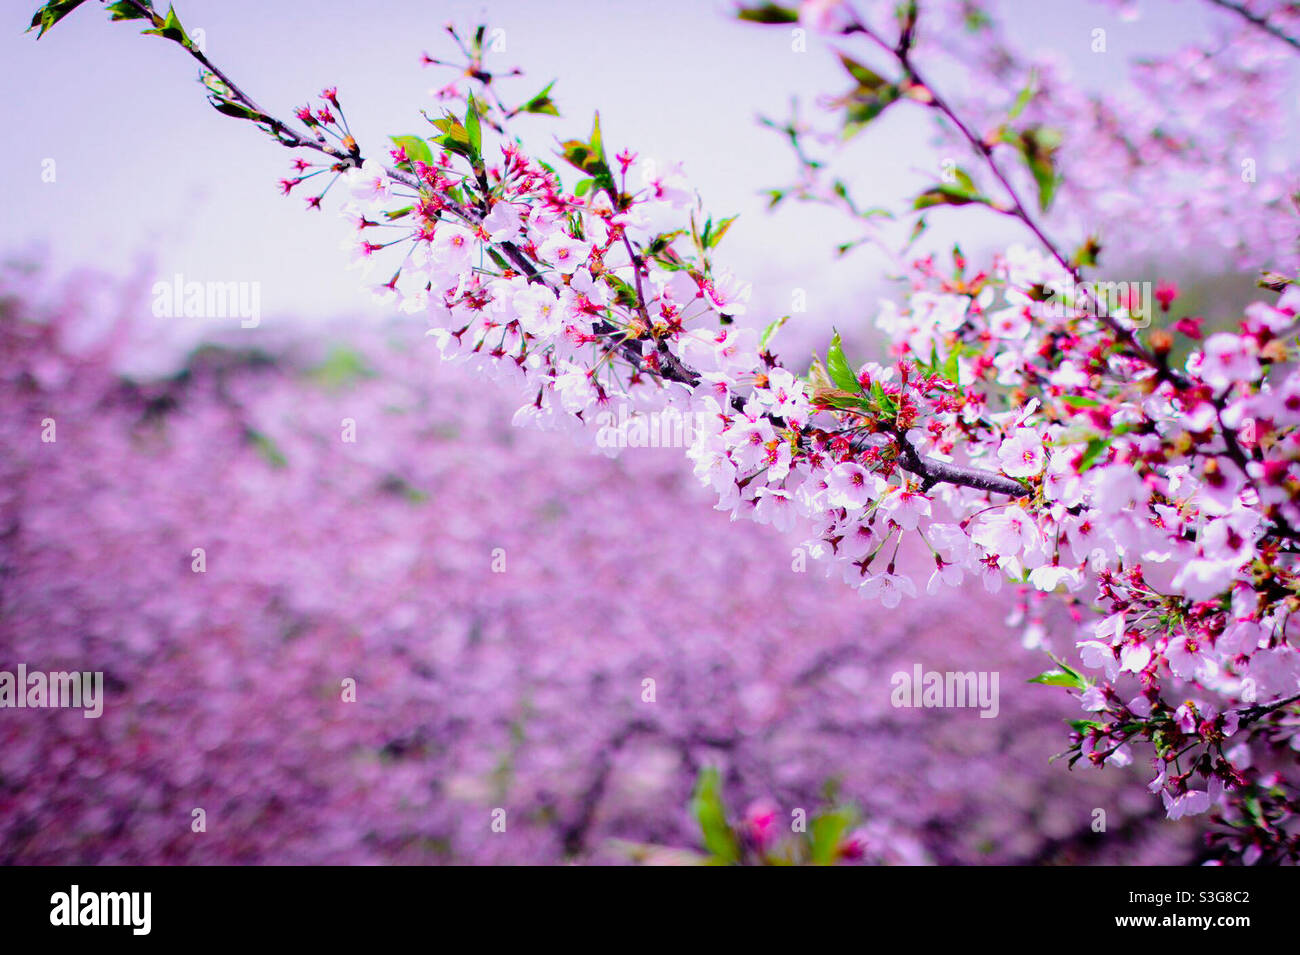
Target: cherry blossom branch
1259,20
282,131
933,471
1016,209
665,366
1251,714
670,367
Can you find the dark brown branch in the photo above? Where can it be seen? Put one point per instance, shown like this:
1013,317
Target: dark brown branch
1260,710
282,131
1258,20
933,471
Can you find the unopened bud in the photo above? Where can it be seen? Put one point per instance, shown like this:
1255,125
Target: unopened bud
918,92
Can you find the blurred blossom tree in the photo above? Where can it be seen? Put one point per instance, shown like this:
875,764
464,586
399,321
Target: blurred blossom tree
1030,424
497,655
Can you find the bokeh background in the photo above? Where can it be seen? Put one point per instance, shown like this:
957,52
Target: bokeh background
373,561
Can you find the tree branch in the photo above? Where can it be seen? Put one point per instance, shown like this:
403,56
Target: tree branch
902,56
1258,20
1260,710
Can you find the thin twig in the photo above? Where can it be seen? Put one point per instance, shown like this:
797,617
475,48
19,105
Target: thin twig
1258,20
1016,209
1253,713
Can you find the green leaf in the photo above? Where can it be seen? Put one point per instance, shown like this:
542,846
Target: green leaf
827,833
1086,255
837,366
867,78
1079,401
768,13
126,11
474,131
871,97
1048,181
1060,678
770,331
965,181
710,812
866,104
234,109
341,367
417,150
624,293
455,137
907,14
949,194
883,401
579,154
1093,453
215,86
171,29
918,230
660,243
597,143
541,103
713,233
51,13
590,158
1026,94
1038,146
1079,681
268,449
952,368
